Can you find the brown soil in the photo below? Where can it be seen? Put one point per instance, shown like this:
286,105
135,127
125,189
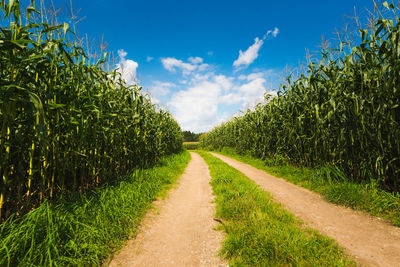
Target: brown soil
370,240
181,232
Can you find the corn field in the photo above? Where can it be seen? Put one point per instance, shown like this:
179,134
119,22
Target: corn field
343,111
66,124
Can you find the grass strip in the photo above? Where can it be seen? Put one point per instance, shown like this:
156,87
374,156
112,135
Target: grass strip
330,183
191,145
84,230
259,231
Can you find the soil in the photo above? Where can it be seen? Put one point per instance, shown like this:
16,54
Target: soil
180,230
370,240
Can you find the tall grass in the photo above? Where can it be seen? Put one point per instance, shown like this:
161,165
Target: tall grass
65,123
83,230
343,111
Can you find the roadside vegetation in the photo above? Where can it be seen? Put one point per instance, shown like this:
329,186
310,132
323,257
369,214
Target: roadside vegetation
84,229
189,136
67,125
331,183
82,153
191,145
260,232
340,117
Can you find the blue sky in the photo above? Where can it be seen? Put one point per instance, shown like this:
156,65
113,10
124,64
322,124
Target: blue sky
208,60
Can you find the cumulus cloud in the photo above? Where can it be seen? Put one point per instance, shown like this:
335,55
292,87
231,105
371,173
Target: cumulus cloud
225,82
148,59
127,68
195,63
202,97
196,60
198,108
253,92
255,86
161,88
172,64
230,98
247,91
255,75
247,57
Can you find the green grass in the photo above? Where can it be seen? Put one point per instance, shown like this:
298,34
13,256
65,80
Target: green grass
259,231
84,230
191,145
330,182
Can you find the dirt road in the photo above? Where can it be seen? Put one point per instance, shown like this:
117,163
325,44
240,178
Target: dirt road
372,241
182,233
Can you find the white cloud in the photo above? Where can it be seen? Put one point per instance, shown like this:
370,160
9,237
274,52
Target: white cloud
172,64
224,82
202,97
196,108
256,87
273,32
122,53
148,59
254,76
247,57
127,68
203,67
253,91
196,60
159,88
230,99
248,92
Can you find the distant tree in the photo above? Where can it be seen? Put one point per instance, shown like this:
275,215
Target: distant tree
188,136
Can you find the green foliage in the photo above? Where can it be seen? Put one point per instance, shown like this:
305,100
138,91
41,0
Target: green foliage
345,111
188,136
331,182
82,230
191,145
259,231
65,123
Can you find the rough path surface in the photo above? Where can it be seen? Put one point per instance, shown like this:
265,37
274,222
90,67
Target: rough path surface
372,241
182,234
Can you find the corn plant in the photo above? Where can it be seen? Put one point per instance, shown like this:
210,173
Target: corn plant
343,111
66,124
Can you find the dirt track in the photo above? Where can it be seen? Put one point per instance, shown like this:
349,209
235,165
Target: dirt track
372,241
182,233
